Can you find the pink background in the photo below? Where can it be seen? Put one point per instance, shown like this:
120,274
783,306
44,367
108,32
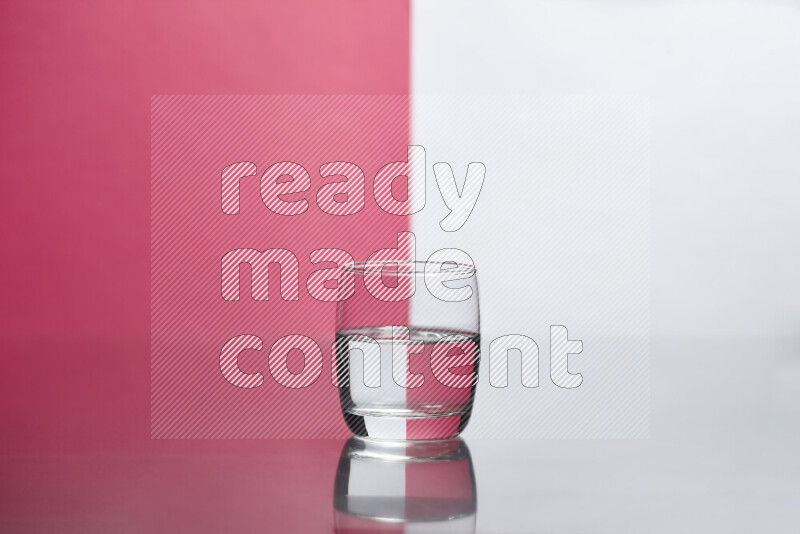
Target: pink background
78,81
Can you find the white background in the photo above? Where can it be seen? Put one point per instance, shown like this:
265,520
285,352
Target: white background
723,83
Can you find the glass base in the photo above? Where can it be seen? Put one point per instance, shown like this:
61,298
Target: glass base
419,427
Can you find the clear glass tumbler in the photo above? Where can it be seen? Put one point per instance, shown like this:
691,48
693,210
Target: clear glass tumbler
408,349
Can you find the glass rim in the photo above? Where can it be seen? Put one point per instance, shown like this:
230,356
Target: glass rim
409,267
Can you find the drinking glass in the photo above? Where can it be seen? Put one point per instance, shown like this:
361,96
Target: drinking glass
408,348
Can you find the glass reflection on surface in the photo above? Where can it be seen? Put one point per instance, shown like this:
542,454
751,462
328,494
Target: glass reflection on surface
410,487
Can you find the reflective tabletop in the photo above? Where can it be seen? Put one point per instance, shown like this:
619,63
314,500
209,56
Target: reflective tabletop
722,457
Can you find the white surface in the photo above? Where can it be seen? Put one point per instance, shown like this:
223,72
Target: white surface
723,456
